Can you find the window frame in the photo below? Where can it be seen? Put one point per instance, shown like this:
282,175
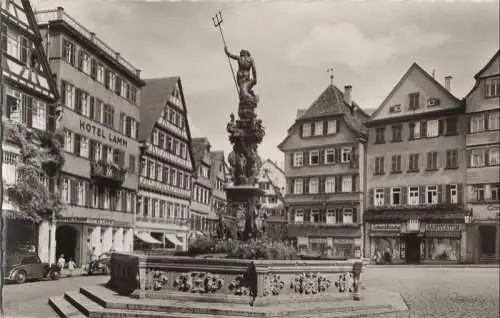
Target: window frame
306,130
378,197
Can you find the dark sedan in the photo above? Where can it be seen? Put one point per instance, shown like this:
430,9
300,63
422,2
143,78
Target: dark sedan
26,266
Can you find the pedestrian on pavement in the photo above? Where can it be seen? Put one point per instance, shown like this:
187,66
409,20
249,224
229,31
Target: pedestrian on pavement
71,266
61,262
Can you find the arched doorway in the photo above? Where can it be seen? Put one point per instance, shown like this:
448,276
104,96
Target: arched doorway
66,242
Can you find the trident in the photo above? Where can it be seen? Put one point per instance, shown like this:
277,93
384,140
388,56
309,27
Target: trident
217,20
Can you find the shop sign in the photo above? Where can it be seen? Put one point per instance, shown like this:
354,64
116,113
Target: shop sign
318,240
86,221
343,241
432,227
388,227
100,133
493,208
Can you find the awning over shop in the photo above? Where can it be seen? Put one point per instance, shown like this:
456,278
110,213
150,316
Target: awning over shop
146,237
173,239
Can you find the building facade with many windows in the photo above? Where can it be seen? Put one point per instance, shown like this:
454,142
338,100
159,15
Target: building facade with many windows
100,96
202,218
166,166
29,96
416,167
483,172
324,162
218,177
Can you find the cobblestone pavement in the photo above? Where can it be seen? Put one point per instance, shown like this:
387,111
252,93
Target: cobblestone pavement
31,299
441,292
429,292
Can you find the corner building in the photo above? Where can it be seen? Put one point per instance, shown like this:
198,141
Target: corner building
166,166
100,94
416,167
324,162
483,169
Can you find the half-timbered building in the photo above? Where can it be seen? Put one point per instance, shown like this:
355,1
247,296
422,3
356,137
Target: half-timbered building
166,166
29,96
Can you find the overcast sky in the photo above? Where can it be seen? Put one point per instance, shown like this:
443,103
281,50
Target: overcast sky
369,44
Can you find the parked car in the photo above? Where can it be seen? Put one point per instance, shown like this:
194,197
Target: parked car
21,267
101,266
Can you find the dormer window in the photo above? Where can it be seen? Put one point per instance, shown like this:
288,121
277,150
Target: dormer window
331,127
431,102
395,108
318,128
492,87
306,130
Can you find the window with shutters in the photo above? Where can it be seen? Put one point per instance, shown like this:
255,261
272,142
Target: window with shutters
396,164
298,186
331,127
379,199
68,141
314,157
347,216
494,120
66,190
495,192
452,159
329,184
13,43
492,87
112,78
331,216
346,183
94,196
98,153
109,154
314,185
298,158
306,130
109,114
82,193
379,165
329,156
396,196
413,162
69,95
431,195
432,160
39,115
100,73
477,193
125,90
453,188
346,154
318,128
477,123
85,60
477,158
84,147
433,128
14,104
85,104
97,110
69,52
380,135
299,216
315,216
414,130
397,133
413,196
156,137
414,101
493,156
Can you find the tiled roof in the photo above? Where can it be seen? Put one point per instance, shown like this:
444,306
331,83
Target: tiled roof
153,98
331,102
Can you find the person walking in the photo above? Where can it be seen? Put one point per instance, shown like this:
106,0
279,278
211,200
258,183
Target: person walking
61,262
71,266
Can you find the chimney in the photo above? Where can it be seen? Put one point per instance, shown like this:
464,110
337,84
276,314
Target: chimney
447,83
347,94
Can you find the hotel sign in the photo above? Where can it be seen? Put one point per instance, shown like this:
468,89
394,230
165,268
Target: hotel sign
442,227
86,221
101,133
390,227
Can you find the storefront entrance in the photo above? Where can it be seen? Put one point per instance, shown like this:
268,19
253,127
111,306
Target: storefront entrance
412,243
66,242
488,239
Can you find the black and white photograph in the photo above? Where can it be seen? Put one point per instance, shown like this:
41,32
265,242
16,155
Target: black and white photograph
250,158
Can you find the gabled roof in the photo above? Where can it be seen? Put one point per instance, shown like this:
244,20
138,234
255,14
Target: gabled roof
413,67
154,97
200,147
481,71
275,165
331,103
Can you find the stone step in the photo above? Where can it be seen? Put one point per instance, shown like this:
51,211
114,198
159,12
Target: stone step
82,303
64,308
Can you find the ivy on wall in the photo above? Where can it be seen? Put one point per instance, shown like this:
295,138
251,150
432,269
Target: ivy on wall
40,160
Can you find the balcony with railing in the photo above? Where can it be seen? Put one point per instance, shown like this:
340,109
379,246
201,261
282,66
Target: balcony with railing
46,16
107,172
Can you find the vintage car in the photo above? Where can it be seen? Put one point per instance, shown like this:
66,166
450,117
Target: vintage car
101,265
21,267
